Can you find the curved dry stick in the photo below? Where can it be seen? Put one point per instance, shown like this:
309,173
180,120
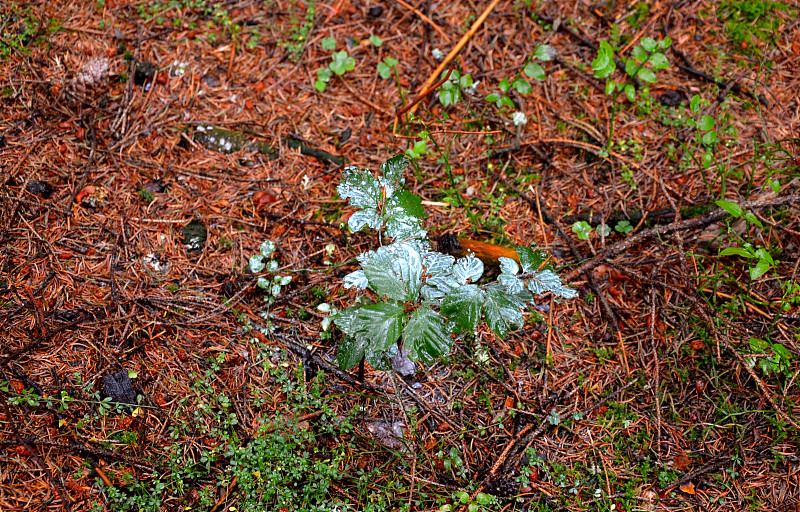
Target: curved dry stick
424,18
457,48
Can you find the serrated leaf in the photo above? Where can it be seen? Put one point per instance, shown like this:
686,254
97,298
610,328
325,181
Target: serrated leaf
511,282
501,310
328,43
403,215
410,203
351,351
734,209
492,97
426,336
435,288
324,74
529,258
603,65
366,217
533,70
548,281
462,307
710,138
360,187
380,324
544,52
610,86
344,319
392,174
437,264
468,268
356,280
508,266
395,271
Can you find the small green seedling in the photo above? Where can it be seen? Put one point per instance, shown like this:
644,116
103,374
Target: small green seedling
263,262
533,70
387,66
648,57
450,91
341,62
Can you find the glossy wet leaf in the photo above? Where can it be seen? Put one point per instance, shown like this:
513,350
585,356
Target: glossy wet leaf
462,306
426,335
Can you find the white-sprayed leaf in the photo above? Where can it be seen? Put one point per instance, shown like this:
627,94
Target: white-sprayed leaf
426,336
462,307
267,248
408,267
511,282
468,268
548,281
508,266
395,271
392,173
344,319
437,264
256,263
360,187
356,279
403,216
367,217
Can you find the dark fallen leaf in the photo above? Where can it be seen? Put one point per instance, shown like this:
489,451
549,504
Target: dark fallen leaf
195,235
40,188
144,72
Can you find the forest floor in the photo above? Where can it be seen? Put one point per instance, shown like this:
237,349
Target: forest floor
149,148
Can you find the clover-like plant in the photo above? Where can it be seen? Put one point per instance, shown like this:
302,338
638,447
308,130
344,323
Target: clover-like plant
423,297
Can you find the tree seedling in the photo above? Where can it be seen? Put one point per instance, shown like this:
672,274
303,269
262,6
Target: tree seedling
414,298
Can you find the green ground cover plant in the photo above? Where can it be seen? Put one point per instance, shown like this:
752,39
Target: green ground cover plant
423,296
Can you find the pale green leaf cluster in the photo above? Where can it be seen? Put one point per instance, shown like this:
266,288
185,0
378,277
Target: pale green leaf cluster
422,298
262,261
